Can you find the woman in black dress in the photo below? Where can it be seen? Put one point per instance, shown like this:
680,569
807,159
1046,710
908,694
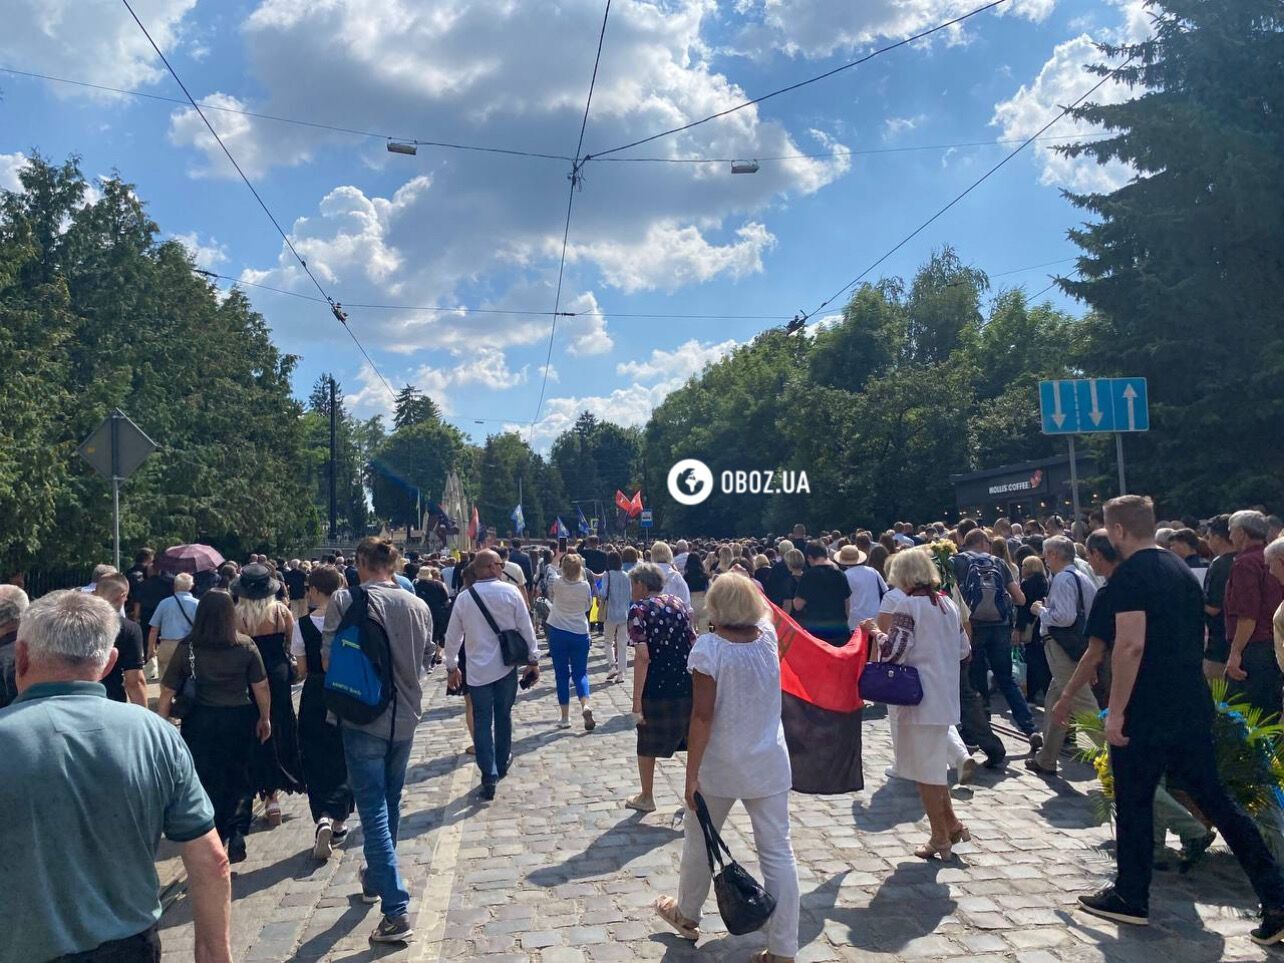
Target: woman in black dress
220,728
276,764
320,744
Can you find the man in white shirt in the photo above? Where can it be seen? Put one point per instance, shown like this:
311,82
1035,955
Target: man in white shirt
681,551
868,587
492,685
674,583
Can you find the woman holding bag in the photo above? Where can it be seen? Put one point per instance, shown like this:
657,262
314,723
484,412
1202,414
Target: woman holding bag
925,633
737,751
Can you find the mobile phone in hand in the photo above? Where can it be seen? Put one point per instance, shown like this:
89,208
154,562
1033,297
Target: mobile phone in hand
528,679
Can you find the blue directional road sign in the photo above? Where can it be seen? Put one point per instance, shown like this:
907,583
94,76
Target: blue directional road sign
1132,406
1093,405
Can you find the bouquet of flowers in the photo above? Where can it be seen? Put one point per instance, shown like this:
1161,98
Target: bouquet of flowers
943,553
1249,753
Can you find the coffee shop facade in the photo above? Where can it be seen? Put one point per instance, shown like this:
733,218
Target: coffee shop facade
1033,489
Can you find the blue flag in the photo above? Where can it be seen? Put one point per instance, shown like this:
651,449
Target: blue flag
583,522
519,520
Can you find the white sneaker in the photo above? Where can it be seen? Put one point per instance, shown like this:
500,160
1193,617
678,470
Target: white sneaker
323,847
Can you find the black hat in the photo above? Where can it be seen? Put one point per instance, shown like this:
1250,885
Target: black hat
255,582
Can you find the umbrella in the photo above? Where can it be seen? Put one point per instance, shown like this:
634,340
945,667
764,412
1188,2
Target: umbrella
189,558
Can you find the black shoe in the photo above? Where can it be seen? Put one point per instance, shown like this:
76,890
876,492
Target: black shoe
392,929
486,791
1272,928
1036,741
236,848
1193,852
368,896
1109,905
996,762
1034,767
507,766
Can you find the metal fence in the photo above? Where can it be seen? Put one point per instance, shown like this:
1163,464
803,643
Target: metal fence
40,582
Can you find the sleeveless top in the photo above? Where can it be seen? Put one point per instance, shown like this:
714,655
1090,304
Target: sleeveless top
312,645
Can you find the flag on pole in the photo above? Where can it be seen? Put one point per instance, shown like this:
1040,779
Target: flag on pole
622,502
635,505
561,531
583,522
474,524
519,520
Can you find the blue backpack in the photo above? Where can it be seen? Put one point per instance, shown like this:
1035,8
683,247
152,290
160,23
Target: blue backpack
984,587
358,682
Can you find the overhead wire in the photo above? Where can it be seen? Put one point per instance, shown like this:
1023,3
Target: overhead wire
575,179
277,118
968,190
802,83
335,308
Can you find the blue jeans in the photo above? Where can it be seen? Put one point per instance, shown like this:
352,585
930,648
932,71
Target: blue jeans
992,650
376,773
569,653
493,725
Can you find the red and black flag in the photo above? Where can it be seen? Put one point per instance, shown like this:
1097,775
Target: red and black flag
821,707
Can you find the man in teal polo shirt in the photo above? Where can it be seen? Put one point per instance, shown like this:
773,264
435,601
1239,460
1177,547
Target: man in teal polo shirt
89,785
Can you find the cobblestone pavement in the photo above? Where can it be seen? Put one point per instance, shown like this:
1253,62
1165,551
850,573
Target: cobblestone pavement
557,871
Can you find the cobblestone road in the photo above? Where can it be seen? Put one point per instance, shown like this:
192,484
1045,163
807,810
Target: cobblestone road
557,871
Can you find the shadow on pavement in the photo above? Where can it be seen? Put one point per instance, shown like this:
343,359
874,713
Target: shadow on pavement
893,803
323,942
608,853
908,905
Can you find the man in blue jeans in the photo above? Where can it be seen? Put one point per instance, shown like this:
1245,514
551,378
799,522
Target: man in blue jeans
378,752
492,685
991,621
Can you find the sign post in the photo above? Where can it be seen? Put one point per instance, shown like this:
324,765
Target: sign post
116,449
1074,481
1092,406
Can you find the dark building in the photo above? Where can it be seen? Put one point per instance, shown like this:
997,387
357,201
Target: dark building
1028,490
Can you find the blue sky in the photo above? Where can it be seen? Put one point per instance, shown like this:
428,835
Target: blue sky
465,229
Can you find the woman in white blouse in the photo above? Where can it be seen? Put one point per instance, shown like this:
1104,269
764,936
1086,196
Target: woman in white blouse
568,637
736,750
926,632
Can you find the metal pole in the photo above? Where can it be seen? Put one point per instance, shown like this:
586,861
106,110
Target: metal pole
1119,456
1074,481
334,495
115,485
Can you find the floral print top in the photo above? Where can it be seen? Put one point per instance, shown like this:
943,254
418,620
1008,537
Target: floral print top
663,624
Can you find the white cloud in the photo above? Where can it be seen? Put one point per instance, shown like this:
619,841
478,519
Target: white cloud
93,40
208,256
672,256
10,164
819,28
1062,80
893,127
239,132
679,364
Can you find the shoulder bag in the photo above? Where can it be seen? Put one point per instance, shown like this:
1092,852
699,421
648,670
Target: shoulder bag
512,645
1072,638
185,698
742,902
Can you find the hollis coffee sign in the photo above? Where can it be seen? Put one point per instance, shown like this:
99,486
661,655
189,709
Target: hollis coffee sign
1033,483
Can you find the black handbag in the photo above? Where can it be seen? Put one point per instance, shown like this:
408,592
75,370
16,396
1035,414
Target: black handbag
512,645
742,902
1073,639
184,700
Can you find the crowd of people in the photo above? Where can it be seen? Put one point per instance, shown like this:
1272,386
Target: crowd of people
1115,612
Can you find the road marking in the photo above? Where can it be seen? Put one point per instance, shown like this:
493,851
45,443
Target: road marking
434,902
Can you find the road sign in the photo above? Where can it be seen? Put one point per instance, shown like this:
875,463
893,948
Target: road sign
1093,405
645,520
117,447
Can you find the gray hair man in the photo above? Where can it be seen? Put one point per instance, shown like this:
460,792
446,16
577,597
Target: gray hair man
124,680
13,602
99,572
63,731
1251,600
1063,621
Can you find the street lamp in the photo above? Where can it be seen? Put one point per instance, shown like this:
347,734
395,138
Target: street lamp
744,167
399,147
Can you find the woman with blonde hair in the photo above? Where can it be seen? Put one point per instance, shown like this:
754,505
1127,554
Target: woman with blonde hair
276,763
925,631
736,752
571,598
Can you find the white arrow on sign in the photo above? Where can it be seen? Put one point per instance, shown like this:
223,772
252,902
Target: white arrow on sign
1096,414
1130,394
1058,418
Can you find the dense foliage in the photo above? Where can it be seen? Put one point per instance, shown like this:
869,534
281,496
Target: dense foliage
96,313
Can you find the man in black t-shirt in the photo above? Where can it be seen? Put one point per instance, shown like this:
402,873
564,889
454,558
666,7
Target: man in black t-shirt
1161,718
1217,649
824,597
125,682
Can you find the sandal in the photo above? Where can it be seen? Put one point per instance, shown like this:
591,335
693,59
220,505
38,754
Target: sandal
933,848
272,814
641,804
612,676
666,907
470,751
961,835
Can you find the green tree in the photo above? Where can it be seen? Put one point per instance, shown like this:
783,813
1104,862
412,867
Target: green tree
412,465
1183,265
412,407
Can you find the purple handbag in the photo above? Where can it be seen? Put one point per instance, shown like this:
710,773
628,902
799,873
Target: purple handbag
891,683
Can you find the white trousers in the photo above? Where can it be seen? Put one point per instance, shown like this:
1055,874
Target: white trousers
616,635
770,818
